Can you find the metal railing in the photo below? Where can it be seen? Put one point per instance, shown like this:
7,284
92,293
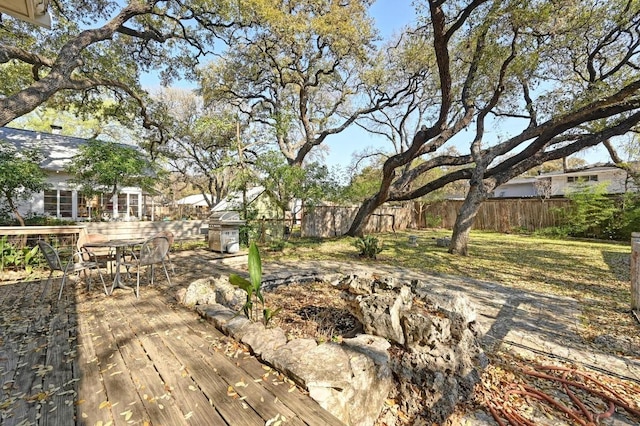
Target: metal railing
17,244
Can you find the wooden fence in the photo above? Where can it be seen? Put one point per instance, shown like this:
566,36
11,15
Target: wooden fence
331,221
502,215
181,229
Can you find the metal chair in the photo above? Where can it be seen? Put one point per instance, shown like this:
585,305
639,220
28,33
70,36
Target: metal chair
153,251
169,236
105,257
75,264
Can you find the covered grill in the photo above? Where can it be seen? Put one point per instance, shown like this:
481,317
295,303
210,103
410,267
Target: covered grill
224,231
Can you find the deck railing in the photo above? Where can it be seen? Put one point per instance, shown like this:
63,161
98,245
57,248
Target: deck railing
17,241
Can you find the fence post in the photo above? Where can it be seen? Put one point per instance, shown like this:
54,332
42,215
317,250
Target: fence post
635,271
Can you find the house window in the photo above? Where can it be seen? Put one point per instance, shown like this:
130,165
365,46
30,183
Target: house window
134,204
128,205
86,206
122,204
588,178
58,203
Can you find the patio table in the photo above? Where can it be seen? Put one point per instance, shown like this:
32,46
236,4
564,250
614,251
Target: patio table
119,245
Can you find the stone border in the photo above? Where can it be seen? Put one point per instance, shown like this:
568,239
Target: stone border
351,380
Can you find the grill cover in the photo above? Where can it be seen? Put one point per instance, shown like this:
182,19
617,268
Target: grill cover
224,233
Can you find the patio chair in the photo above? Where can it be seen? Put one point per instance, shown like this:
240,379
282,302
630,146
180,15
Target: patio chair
169,236
153,252
105,256
75,264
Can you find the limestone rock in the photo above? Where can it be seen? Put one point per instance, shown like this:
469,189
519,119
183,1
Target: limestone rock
263,340
286,358
346,381
380,313
355,284
180,293
219,315
434,367
200,292
227,294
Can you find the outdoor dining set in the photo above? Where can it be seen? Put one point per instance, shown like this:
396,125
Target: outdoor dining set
95,251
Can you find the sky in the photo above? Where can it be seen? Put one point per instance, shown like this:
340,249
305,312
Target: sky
390,16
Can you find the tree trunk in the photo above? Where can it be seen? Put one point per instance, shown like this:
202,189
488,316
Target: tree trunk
362,217
14,210
464,220
635,271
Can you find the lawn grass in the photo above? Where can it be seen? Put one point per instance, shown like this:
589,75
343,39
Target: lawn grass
595,273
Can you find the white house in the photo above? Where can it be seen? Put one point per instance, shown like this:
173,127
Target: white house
63,200
520,187
196,200
234,200
559,183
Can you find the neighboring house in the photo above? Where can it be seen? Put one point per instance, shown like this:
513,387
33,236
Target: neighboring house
63,200
520,187
554,184
196,200
255,198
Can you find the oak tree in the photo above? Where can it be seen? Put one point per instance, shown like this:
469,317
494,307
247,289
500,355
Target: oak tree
107,167
300,71
20,177
563,76
102,48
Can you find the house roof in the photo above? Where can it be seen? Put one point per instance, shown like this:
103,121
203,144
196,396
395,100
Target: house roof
196,200
520,181
234,200
57,150
598,167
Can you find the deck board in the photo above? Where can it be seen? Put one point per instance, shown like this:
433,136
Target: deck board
148,383
94,359
91,392
207,377
60,354
254,394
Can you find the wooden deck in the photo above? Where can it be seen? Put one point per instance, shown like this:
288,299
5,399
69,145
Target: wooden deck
96,360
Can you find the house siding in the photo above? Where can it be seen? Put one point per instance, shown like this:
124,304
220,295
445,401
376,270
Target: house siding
58,151
614,179
561,184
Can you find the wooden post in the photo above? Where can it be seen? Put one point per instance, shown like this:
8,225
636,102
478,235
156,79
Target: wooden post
635,271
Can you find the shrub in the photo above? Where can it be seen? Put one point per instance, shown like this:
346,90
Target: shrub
432,221
15,258
369,246
591,212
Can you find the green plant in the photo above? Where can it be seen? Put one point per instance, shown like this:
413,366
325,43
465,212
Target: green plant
432,221
10,256
591,212
277,245
369,246
252,288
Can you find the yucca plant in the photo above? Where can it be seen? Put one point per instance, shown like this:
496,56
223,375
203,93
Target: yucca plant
369,246
252,288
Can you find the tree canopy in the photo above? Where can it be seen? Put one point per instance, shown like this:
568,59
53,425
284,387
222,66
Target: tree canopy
299,71
20,176
565,73
107,167
102,48
285,183
205,144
